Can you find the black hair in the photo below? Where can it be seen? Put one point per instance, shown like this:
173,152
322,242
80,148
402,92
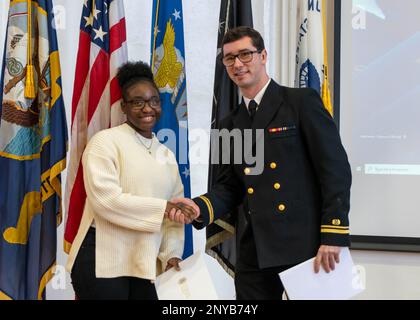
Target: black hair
238,33
131,73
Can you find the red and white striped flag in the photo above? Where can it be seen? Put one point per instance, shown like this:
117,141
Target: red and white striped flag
96,95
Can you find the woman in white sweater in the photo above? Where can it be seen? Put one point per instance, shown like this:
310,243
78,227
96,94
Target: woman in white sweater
124,235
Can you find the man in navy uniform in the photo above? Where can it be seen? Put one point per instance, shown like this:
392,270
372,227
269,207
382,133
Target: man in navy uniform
297,208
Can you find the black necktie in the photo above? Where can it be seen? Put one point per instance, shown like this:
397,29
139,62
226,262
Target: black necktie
252,107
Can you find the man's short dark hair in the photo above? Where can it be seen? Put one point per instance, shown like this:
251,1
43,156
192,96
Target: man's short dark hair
238,33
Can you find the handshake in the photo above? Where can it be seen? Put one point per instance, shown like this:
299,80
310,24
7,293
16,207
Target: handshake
182,210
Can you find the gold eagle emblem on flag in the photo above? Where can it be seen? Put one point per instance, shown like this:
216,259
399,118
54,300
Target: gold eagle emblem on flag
169,69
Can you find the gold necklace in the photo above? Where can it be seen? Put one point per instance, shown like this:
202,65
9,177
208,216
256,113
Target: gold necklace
144,145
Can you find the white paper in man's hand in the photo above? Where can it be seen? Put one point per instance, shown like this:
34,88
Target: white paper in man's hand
193,282
302,283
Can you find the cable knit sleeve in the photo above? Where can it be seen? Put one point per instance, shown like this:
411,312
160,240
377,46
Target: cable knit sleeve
173,233
106,196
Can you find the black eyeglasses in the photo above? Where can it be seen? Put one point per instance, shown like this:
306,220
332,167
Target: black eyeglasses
139,104
244,57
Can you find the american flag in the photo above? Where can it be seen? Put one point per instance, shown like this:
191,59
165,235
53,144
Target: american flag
96,95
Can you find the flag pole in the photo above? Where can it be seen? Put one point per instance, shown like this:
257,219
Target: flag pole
155,35
325,92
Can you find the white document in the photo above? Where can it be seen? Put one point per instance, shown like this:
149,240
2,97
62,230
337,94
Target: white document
302,283
193,282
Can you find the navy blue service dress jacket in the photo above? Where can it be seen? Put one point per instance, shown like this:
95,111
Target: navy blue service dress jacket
302,198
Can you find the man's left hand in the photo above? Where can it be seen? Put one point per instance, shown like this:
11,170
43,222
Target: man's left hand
173,263
327,256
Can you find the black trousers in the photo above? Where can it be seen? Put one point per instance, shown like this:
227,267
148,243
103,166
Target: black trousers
251,282
88,287
263,284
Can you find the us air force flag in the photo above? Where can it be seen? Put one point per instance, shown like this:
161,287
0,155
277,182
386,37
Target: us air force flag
168,65
33,146
311,53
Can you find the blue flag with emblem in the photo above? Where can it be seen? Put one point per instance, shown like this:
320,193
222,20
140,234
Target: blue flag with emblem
168,65
311,52
33,146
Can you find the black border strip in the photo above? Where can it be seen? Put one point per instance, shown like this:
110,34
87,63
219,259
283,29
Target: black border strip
385,243
363,242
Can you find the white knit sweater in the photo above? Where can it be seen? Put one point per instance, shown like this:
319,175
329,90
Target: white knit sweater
127,190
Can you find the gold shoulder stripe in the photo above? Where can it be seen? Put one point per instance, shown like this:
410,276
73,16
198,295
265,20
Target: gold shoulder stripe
325,230
335,227
209,207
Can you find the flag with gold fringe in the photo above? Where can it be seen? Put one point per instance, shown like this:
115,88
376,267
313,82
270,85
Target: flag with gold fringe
311,54
33,147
